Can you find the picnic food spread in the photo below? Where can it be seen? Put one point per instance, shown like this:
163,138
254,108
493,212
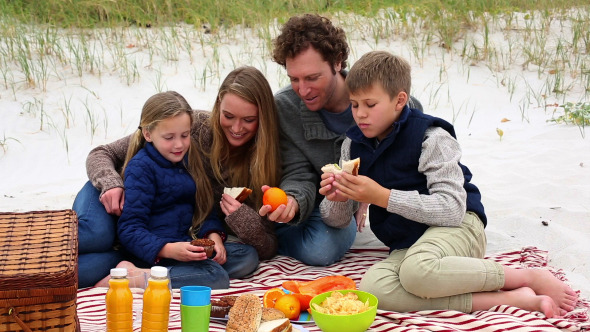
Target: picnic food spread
342,304
248,315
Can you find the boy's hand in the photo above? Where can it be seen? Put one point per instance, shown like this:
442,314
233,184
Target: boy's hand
361,189
327,188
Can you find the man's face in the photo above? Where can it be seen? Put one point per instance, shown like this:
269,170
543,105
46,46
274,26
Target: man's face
312,78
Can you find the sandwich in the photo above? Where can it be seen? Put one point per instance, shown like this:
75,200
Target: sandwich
349,166
238,193
277,325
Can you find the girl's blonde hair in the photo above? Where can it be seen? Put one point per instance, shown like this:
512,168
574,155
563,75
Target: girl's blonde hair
162,106
257,162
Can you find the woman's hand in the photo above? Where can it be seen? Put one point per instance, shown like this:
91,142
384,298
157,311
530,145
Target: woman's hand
229,204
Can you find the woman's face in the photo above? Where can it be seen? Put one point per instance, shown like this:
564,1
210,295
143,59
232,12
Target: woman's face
238,119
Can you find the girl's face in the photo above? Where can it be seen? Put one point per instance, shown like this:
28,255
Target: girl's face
238,119
171,137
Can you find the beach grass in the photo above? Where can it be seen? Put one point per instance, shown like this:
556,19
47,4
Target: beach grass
56,40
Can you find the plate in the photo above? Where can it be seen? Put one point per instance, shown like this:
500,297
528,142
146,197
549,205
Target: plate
304,318
300,328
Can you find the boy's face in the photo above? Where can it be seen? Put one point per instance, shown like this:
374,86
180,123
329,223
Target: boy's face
375,112
312,78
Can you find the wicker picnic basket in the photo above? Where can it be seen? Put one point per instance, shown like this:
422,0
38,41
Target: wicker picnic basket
38,271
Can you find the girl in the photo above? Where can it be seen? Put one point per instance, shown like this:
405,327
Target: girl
168,199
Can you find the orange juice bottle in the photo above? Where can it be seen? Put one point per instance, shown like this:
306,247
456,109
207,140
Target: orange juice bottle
119,302
156,301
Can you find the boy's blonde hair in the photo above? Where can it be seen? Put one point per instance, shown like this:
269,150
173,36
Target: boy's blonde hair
391,71
162,106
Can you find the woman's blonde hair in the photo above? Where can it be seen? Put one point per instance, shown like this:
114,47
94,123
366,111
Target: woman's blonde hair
257,162
162,106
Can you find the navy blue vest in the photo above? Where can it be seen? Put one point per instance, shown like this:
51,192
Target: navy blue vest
393,163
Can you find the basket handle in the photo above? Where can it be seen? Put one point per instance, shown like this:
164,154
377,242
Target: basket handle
12,312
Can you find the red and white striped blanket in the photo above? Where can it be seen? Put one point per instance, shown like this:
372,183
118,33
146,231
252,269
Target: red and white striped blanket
271,273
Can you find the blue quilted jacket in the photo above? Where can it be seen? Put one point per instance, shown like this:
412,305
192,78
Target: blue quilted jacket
159,204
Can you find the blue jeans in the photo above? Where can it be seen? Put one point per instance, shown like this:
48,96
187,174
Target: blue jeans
313,242
242,260
96,237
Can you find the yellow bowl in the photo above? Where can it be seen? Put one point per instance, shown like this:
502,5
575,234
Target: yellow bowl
345,323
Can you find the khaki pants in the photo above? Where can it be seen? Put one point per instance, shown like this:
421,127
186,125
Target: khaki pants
440,271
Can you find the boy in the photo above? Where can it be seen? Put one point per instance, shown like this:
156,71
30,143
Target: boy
423,206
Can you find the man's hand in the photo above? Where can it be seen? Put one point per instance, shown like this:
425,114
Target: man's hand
283,213
361,216
113,200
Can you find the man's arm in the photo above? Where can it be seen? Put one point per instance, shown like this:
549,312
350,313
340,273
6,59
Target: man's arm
299,177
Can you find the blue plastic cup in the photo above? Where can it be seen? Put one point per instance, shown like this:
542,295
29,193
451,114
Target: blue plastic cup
195,308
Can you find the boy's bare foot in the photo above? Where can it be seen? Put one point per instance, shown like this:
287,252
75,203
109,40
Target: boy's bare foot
543,282
524,298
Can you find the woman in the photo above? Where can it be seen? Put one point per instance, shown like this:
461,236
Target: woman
239,141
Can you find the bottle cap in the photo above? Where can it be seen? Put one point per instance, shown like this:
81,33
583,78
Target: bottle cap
159,272
119,272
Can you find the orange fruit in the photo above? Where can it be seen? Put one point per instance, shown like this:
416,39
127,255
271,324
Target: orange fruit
271,296
274,197
303,300
289,305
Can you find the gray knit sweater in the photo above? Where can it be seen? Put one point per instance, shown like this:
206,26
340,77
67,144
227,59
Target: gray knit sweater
104,163
439,162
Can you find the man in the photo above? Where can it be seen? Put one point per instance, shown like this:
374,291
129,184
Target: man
314,114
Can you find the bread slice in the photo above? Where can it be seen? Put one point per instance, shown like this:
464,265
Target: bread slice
239,193
245,314
271,314
349,166
277,325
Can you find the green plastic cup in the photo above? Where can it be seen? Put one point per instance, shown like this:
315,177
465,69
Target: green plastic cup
195,318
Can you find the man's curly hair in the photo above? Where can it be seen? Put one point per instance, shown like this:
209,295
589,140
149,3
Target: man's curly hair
314,30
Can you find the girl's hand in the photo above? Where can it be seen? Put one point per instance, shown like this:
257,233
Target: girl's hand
183,252
220,252
229,204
